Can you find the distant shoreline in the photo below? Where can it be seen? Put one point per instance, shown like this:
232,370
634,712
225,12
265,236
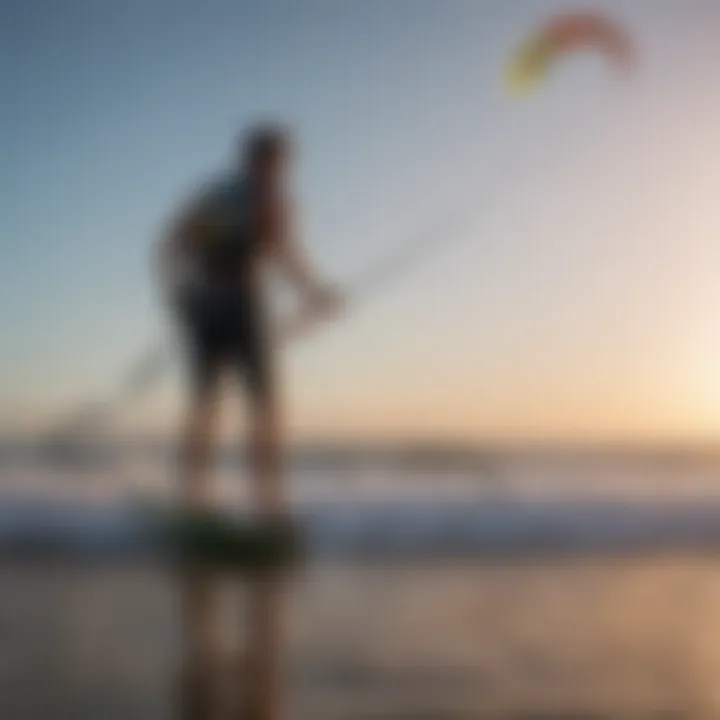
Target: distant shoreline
426,455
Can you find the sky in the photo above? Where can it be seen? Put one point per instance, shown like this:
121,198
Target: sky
580,303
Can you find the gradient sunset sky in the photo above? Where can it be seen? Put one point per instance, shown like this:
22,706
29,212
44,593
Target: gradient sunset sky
583,304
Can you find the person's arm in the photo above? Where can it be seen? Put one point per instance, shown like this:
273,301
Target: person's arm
291,259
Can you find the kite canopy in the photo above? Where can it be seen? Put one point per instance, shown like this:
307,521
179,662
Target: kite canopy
566,34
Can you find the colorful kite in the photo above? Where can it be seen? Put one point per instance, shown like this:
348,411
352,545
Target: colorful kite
566,34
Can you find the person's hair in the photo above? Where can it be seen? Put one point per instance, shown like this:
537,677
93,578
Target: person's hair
265,142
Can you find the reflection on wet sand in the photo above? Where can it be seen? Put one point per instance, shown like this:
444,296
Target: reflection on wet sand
571,638
242,683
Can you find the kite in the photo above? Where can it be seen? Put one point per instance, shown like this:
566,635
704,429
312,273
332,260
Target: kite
563,35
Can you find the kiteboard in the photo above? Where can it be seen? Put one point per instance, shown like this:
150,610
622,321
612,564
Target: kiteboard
220,538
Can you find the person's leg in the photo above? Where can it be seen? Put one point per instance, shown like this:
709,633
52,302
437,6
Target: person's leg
195,454
266,453
204,354
256,358
196,450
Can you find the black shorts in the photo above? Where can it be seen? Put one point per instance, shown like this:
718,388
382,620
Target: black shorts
226,329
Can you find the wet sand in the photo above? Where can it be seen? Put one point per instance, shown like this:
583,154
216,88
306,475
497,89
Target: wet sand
580,638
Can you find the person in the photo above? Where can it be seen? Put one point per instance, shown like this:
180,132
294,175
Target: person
212,262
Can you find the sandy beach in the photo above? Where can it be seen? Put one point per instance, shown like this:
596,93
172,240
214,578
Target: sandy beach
527,639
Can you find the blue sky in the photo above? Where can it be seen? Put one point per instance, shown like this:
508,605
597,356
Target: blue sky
582,304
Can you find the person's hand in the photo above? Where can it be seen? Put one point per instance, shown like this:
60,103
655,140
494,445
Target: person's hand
327,300
321,302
